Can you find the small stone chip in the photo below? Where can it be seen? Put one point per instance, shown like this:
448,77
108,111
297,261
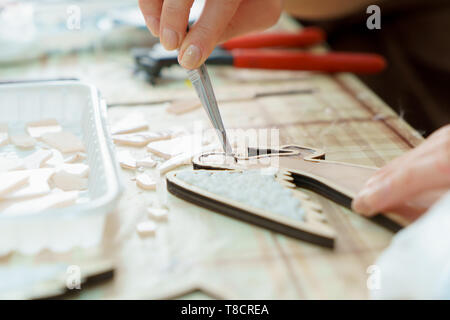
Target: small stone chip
56,199
80,170
56,160
132,123
7,164
69,182
126,160
133,140
37,184
158,214
146,229
170,148
147,162
144,181
12,181
23,141
175,162
4,138
38,128
64,141
182,159
78,156
141,139
37,159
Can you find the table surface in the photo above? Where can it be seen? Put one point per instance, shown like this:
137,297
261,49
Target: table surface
220,256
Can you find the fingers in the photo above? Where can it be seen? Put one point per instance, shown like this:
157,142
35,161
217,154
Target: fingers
413,209
426,199
422,170
399,186
410,213
151,10
220,20
425,148
174,21
267,11
167,19
206,32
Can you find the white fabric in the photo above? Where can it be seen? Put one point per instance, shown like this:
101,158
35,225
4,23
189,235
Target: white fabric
416,265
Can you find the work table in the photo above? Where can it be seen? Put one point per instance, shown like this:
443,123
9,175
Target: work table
198,248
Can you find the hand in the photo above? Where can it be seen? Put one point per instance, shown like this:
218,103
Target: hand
410,184
219,21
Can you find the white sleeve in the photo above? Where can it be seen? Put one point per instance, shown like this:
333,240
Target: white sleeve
416,265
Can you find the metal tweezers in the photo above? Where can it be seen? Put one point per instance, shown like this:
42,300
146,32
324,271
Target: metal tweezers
202,83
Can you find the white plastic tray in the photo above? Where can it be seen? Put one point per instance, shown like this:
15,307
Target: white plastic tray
79,109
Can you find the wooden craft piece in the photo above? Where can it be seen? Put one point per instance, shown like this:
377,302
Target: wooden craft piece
183,105
23,141
146,228
37,184
338,181
37,159
134,122
167,149
158,214
12,181
57,199
69,182
144,181
4,137
7,164
314,231
146,162
38,128
126,160
64,141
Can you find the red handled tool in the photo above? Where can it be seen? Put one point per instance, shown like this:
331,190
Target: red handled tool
325,62
276,51
251,52
305,38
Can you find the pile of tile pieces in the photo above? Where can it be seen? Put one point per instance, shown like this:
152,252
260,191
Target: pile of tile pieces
164,150
41,168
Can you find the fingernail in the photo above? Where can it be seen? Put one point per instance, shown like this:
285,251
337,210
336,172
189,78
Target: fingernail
371,181
191,57
153,25
373,197
169,39
360,204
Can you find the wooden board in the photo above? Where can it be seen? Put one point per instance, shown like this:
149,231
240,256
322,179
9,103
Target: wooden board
253,263
335,113
338,181
310,230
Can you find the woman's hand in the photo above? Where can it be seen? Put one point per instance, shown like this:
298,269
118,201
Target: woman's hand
410,184
219,21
